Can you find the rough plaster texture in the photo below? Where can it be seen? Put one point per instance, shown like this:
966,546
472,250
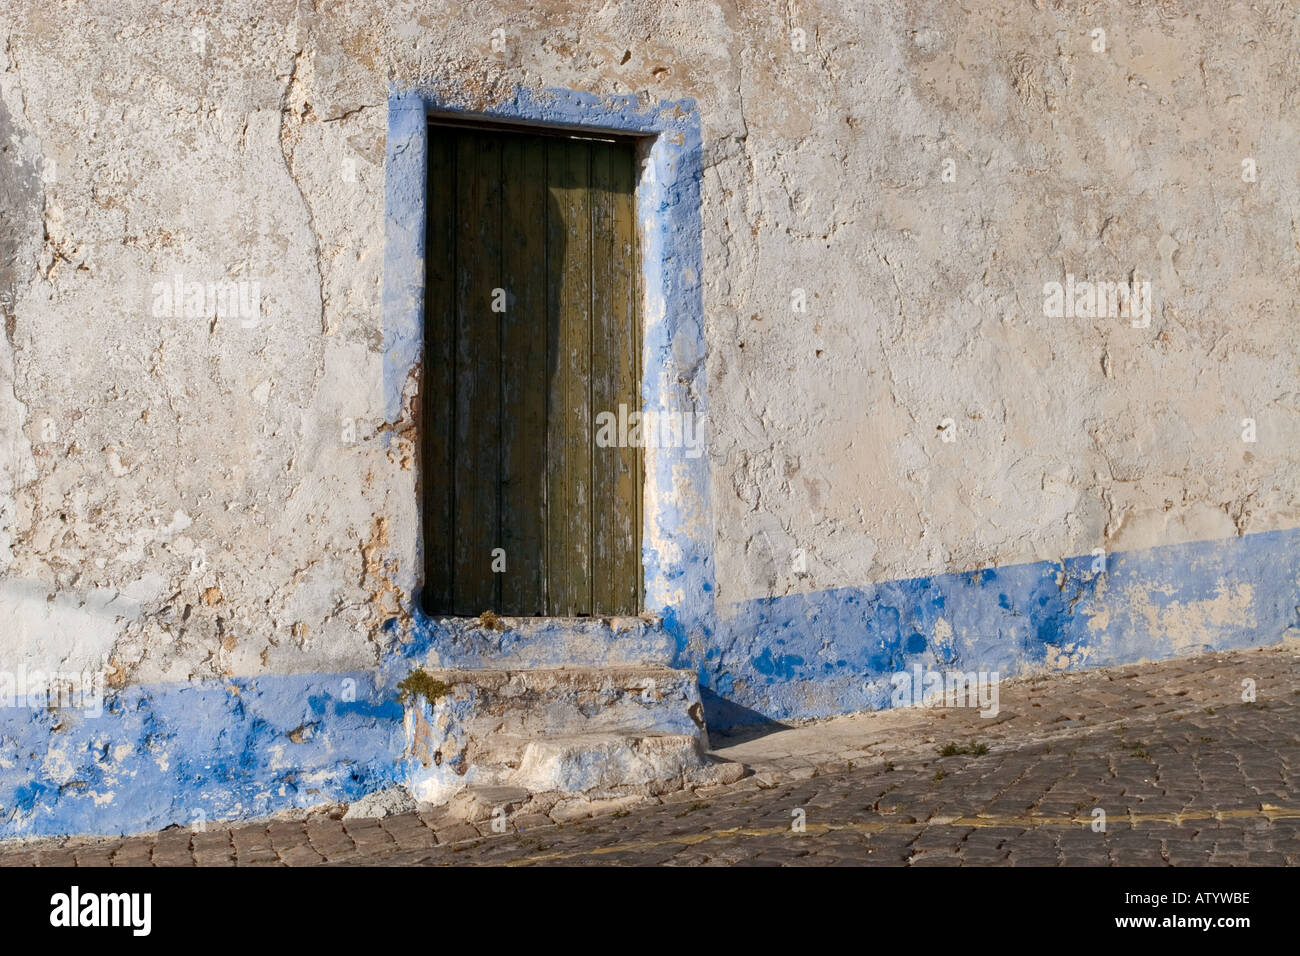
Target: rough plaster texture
200,498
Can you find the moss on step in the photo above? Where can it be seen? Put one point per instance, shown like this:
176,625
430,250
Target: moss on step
420,683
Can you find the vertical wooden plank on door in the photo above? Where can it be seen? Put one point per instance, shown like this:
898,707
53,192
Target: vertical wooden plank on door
478,371
437,387
569,426
523,374
638,345
615,565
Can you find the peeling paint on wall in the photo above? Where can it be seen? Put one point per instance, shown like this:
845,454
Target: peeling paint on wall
165,754
191,754
916,467
833,652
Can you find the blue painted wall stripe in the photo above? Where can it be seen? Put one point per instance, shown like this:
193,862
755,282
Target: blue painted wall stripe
161,752
832,652
181,753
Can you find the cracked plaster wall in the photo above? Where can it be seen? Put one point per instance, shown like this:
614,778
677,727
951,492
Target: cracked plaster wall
189,497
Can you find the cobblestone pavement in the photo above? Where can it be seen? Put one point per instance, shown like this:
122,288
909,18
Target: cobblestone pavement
1185,771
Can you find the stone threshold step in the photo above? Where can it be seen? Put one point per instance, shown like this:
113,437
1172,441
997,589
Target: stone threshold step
570,730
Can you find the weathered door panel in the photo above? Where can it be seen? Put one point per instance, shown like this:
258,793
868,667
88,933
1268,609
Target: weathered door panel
532,331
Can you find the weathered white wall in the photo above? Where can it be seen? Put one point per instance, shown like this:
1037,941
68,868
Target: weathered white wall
190,497
1071,434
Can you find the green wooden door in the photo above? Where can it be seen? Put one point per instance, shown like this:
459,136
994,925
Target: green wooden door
531,333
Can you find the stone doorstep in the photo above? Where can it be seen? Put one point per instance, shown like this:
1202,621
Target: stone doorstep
542,701
599,766
508,807
604,732
582,762
635,677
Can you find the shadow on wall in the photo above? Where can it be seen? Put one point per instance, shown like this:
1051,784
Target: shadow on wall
728,719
